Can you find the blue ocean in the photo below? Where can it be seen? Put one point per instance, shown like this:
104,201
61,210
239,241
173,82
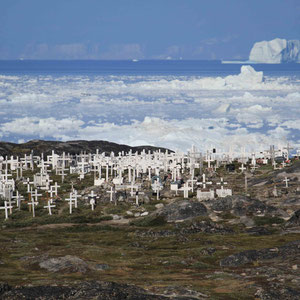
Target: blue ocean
142,67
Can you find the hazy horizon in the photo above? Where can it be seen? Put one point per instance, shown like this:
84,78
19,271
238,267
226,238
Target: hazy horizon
134,29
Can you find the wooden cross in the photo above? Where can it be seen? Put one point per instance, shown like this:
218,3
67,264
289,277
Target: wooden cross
111,192
286,180
204,182
92,200
54,188
18,198
33,204
92,203
222,183
49,206
137,197
6,208
242,168
132,186
156,187
70,202
185,190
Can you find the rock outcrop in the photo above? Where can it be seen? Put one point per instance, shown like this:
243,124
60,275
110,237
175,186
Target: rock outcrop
183,210
95,290
250,256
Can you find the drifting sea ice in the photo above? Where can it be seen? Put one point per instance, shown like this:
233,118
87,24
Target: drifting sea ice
171,111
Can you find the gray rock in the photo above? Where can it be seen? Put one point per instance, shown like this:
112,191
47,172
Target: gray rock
183,210
92,290
66,263
292,201
249,256
278,292
101,267
4,287
248,222
295,219
222,204
159,205
241,205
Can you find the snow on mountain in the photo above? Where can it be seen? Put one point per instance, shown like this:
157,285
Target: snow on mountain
276,51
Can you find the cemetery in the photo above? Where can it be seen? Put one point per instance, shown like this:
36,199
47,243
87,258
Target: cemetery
195,225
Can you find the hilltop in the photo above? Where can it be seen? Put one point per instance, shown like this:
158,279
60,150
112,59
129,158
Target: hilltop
72,147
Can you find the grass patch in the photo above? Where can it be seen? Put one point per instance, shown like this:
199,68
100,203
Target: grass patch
150,221
262,221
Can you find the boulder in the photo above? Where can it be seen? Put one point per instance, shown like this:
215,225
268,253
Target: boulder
68,263
183,210
222,204
4,287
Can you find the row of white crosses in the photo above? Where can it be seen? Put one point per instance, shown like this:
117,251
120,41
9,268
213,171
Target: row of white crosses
33,202
134,164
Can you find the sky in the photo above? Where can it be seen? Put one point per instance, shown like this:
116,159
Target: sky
152,29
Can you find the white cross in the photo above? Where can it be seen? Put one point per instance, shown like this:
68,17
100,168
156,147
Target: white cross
92,203
28,185
106,172
54,188
204,182
253,168
208,159
92,195
6,208
49,207
185,190
137,197
18,198
274,165
192,181
75,197
33,204
286,180
70,202
35,194
149,173
129,173
156,188
132,186
111,192
222,183
242,168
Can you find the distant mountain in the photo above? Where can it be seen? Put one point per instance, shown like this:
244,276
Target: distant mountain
276,51
72,147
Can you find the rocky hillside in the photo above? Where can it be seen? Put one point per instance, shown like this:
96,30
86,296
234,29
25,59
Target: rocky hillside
72,147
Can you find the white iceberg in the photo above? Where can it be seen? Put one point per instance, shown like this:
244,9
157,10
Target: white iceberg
247,77
276,51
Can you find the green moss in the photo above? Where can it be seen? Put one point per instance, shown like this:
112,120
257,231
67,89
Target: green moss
261,221
150,221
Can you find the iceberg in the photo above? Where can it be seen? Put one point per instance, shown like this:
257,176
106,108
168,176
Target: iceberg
247,77
276,51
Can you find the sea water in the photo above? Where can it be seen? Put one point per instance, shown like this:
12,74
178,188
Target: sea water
174,104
